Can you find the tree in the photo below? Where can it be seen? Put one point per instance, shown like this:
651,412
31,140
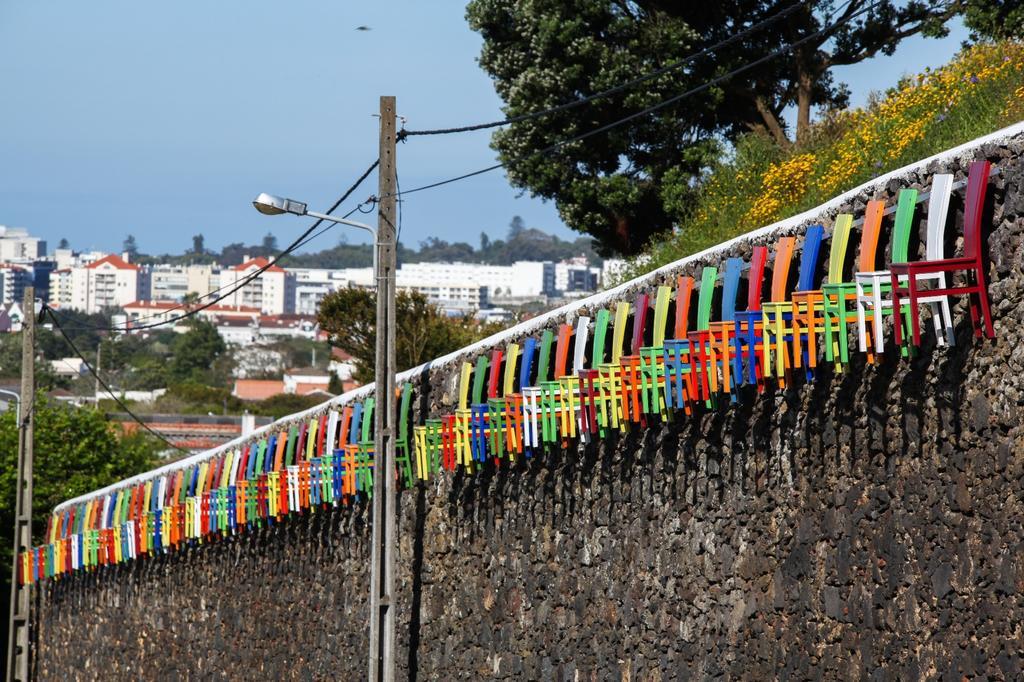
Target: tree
76,451
995,18
130,247
516,227
613,185
269,244
198,244
485,243
423,331
195,352
63,243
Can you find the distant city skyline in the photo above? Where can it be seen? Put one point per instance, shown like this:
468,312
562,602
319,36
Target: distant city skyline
144,120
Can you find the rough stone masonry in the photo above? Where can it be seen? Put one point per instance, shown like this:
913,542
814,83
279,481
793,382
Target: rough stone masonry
867,525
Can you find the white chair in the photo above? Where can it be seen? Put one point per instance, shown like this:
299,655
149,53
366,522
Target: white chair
874,288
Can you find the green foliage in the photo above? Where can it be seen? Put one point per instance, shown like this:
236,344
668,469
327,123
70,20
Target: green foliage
634,181
1000,19
76,451
980,91
423,331
284,404
195,353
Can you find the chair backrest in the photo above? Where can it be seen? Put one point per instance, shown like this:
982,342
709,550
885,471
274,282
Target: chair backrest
545,355
529,346
869,235
840,241
509,382
600,334
755,278
367,425
730,287
580,347
977,186
479,374
905,206
707,294
464,377
619,331
562,350
403,411
661,300
780,268
684,293
357,420
809,257
494,375
938,211
640,309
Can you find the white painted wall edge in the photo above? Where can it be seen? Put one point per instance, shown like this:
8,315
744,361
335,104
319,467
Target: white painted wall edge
962,152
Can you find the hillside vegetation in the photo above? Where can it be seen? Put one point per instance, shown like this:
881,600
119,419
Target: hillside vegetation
980,91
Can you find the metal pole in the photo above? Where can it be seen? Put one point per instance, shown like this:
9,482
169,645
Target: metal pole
17,633
382,606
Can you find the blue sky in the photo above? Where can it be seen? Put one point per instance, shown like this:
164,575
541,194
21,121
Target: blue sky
165,120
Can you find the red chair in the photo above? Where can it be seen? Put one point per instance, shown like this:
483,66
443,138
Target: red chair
971,264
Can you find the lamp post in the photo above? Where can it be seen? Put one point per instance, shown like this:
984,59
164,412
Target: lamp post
382,605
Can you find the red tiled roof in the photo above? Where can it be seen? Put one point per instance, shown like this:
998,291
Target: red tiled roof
114,260
257,389
303,388
257,262
216,308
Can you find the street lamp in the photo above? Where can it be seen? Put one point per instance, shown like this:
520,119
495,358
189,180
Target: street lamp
270,204
382,616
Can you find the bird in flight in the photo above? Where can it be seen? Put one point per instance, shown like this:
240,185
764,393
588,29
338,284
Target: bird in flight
363,28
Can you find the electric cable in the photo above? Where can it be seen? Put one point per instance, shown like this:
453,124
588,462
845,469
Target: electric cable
613,90
238,284
106,387
652,108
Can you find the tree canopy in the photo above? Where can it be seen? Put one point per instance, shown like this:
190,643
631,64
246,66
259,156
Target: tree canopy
634,181
423,331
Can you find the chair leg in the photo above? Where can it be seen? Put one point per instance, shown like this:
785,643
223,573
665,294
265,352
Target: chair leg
947,316
876,297
940,336
861,321
990,332
897,304
915,314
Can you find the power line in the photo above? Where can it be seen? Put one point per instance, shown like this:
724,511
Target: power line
107,388
189,312
613,90
653,108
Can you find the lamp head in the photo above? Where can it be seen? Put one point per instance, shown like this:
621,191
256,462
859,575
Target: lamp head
268,204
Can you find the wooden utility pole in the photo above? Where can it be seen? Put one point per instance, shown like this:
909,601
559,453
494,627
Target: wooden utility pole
382,606
18,655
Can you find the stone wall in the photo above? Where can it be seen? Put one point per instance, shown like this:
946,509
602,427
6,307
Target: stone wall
869,524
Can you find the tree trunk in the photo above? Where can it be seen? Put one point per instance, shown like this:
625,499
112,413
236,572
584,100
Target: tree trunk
772,123
805,84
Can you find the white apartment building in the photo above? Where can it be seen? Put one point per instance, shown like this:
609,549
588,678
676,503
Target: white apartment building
312,284
154,312
174,282
576,275
16,244
13,280
273,292
522,279
110,282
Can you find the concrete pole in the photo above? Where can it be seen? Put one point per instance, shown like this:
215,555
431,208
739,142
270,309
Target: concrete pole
382,606
18,655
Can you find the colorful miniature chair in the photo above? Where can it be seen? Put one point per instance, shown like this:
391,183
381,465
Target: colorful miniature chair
938,210
702,353
652,359
839,296
971,264
874,284
722,332
809,319
748,343
680,388
778,337
758,319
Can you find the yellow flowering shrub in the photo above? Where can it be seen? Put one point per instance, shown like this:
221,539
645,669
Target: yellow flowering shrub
978,92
